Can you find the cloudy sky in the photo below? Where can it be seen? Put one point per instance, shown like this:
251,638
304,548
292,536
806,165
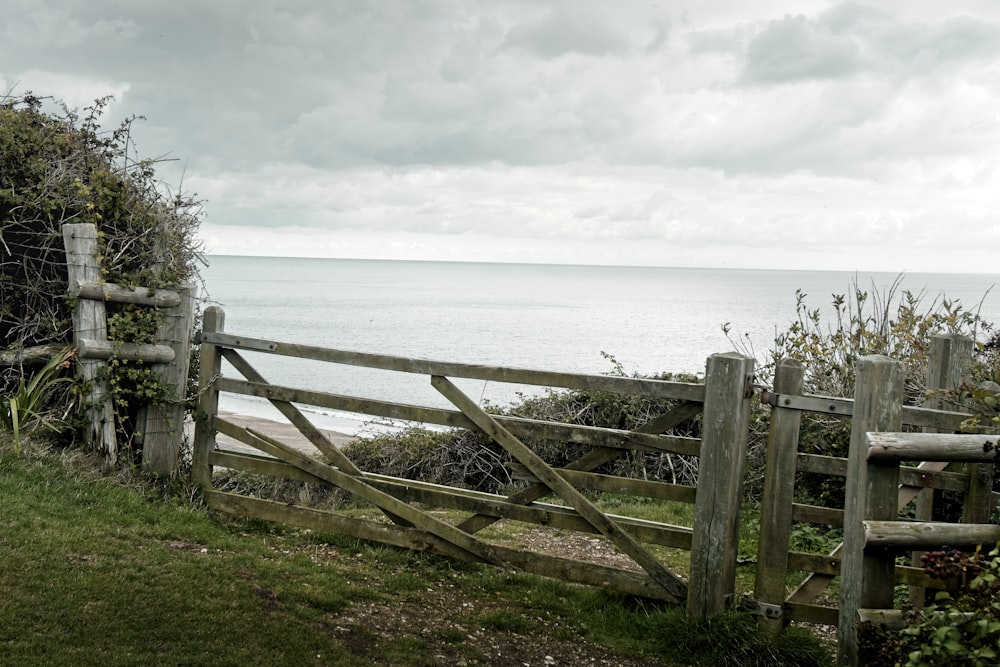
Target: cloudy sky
772,133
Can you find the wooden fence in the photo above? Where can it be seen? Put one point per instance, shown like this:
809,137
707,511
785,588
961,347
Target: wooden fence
877,406
724,400
160,425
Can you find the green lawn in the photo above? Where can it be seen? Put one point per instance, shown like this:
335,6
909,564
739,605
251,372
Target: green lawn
98,571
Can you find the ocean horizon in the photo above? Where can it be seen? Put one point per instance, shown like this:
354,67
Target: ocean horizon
556,317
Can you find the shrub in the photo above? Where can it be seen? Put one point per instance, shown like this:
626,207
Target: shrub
957,630
31,403
891,322
58,167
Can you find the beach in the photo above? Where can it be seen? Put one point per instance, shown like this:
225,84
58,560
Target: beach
283,432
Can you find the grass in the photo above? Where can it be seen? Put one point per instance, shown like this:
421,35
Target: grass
95,572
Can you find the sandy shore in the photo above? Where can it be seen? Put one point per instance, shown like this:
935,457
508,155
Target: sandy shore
279,431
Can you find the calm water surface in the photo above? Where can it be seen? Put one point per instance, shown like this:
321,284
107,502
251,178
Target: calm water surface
557,318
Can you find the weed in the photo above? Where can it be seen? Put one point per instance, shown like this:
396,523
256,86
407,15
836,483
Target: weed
30,404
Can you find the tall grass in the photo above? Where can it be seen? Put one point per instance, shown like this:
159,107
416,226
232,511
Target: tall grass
31,403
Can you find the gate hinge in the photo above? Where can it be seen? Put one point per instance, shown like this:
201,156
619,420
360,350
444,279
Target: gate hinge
772,611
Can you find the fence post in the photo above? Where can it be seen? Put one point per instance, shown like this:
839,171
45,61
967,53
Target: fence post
210,368
728,388
90,321
776,502
948,366
978,502
163,427
878,402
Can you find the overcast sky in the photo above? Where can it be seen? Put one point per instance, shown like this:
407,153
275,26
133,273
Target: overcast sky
805,134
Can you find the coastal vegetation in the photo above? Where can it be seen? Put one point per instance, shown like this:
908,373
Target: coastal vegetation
58,166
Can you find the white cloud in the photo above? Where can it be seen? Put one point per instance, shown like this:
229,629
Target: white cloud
689,132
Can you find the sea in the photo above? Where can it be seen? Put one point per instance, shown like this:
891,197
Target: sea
584,319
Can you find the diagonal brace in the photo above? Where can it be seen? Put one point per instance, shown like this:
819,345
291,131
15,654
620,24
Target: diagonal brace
590,512
479,549
589,461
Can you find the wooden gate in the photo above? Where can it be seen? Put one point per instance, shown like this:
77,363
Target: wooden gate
724,399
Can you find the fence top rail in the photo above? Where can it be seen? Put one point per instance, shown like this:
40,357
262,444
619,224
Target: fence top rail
664,389
844,407
962,447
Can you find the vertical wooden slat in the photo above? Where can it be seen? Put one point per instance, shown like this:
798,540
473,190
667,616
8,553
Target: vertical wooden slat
878,402
715,542
163,427
948,366
779,488
213,321
90,321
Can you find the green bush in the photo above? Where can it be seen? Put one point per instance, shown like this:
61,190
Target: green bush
56,167
963,629
887,321
472,460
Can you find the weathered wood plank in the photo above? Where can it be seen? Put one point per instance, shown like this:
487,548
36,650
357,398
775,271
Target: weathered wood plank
844,407
623,581
584,435
978,505
828,516
965,447
725,425
685,391
923,476
141,296
90,322
499,507
163,425
209,372
928,534
878,399
107,349
811,613
777,509
391,505
31,356
830,566
834,466
621,538
890,619
614,484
